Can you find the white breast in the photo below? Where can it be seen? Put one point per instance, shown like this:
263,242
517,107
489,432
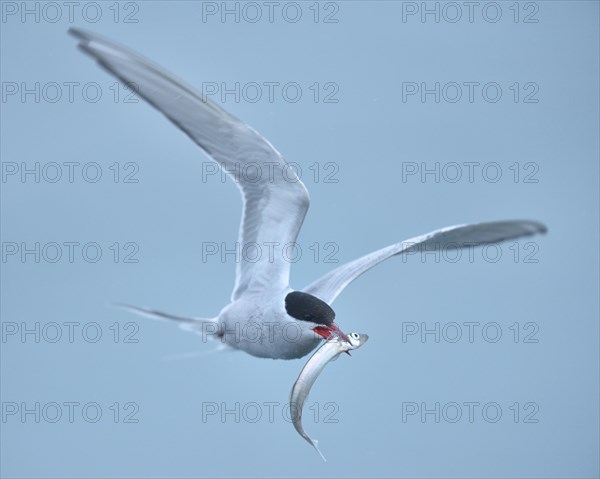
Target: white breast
265,332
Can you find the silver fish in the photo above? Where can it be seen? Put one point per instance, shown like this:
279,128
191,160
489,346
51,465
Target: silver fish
311,370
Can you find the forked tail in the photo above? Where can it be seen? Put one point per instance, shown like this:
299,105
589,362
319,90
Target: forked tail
197,325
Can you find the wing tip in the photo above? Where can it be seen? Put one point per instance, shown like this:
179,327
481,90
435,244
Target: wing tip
537,226
76,32
542,228
81,34
530,226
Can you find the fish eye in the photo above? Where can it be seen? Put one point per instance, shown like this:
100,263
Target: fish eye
354,335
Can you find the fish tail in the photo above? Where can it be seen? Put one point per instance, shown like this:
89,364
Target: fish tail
315,444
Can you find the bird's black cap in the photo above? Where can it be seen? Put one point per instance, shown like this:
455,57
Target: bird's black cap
307,307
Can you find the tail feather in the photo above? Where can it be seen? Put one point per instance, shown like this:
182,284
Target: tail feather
190,324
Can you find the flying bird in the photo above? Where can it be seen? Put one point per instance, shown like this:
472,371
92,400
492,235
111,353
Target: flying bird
266,317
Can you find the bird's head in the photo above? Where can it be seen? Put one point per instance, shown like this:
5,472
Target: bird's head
306,307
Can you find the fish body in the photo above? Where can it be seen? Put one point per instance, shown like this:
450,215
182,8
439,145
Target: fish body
310,372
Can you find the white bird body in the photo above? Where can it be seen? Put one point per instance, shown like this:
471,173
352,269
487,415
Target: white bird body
261,327
266,318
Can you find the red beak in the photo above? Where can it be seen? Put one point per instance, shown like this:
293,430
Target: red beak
326,331
339,332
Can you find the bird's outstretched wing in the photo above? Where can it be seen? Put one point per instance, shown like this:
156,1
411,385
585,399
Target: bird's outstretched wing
330,285
275,200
